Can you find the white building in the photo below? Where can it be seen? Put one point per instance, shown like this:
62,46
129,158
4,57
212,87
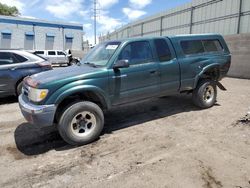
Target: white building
30,34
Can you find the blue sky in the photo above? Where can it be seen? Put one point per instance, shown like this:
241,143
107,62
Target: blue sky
112,14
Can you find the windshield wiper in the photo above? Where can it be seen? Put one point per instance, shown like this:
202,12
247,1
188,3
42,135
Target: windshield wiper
90,64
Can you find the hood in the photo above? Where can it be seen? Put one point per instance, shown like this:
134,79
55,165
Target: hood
62,73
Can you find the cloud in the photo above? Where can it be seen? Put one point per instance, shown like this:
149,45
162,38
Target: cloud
62,9
91,39
108,24
84,13
139,4
74,22
106,3
29,17
87,26
133,14
134,11
17,3
34,3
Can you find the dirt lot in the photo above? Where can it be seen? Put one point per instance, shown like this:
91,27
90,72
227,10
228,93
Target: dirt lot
164,142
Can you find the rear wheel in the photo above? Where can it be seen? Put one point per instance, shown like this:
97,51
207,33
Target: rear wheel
81,123
204,95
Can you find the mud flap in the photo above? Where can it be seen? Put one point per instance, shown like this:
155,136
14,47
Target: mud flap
220,86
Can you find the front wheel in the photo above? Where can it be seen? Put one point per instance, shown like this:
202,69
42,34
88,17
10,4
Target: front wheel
81,123
204,95
73,62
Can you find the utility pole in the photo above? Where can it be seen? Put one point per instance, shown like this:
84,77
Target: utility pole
95,15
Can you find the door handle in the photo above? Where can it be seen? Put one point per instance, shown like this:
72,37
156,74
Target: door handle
120,76
153,72
13,68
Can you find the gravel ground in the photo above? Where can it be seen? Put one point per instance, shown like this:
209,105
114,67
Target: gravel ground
164,142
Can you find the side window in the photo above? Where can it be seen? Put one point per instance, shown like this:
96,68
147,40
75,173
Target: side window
212,45
163,50
20,59
39,52
5,40
192,47
6,58
60,53
51,53
137,52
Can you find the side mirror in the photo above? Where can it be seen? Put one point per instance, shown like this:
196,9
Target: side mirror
121,64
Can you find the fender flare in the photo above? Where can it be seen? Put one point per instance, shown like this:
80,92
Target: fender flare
59,97
205,69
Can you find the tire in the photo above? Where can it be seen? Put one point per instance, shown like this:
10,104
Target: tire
81,123
72,62
69,62
204,95
19,88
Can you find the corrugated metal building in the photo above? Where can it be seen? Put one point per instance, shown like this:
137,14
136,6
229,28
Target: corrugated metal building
199,16
30,34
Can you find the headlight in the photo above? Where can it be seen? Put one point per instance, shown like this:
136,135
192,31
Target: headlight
37,95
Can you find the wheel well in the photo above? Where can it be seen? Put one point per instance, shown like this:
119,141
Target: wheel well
17,83
86,96
212,74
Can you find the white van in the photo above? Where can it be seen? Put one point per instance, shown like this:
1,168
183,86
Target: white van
53,56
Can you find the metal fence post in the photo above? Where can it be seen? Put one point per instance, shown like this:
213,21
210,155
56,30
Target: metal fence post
63,38
34,38
191,20
142,29
239,16
161,25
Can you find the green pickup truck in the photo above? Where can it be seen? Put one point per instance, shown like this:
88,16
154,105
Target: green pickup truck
120,72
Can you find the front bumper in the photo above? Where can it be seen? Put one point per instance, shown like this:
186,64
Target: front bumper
41,115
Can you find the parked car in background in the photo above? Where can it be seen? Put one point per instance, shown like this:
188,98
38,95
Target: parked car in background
72,60
57,57
15,65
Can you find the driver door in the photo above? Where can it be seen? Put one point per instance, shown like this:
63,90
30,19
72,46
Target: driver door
138,81
61,57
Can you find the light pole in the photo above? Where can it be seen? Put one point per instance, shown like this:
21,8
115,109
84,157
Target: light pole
95,20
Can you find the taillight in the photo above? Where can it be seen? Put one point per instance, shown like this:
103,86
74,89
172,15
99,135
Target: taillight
45,64
30,82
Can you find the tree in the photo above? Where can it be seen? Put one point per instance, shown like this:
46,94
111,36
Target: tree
8,10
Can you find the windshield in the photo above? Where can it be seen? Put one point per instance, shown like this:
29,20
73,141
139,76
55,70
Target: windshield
100,55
